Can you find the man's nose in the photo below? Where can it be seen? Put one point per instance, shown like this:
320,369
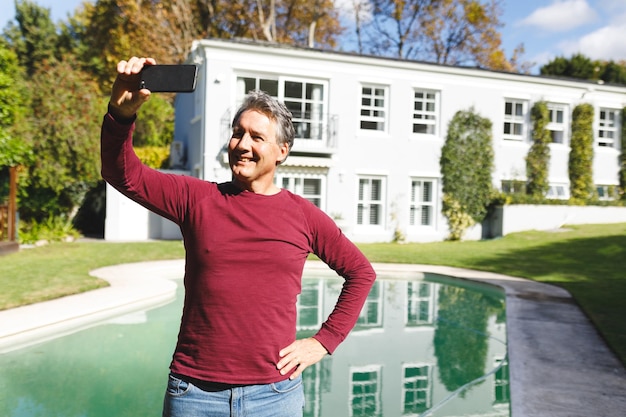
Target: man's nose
244,141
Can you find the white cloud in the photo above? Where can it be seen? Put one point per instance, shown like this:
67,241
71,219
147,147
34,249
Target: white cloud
561,16
605,43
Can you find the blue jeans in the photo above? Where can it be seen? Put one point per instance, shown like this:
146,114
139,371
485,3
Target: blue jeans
188,398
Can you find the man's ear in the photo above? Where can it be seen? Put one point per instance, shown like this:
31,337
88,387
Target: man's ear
284,151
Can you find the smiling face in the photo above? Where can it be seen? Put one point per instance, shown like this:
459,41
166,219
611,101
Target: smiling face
254,153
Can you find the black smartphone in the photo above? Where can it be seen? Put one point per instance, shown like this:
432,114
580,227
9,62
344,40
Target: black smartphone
169,78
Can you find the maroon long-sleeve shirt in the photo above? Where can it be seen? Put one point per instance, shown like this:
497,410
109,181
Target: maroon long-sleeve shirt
245,253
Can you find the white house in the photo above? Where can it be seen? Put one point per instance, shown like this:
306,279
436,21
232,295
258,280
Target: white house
370,131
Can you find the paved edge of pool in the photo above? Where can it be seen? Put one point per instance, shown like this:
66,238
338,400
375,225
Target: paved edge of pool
133,287
559,365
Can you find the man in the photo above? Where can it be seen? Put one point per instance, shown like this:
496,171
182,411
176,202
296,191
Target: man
246,244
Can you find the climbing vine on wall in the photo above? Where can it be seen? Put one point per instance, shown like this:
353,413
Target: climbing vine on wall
538,158
581,154
466,167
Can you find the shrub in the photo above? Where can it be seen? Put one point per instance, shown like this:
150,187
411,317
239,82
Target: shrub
466,166
581,154
154,156
458,218
52,229
622,171
538,157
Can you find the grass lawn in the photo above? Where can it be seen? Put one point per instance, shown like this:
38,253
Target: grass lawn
588,261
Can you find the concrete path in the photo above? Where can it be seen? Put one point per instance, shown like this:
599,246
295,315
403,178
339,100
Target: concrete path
559,365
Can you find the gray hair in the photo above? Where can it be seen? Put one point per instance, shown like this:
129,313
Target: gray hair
275,110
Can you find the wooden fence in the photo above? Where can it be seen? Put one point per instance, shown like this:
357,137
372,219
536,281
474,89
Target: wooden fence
4,222
8,212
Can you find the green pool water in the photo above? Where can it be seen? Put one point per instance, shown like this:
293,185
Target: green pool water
426,347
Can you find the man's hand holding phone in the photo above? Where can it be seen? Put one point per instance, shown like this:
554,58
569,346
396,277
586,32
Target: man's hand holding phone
126,96
137,78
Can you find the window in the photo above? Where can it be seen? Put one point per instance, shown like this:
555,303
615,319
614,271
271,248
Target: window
514,119
558,191
247,84
310,305
307,186
370,206
416,389
608,127
420,304
606,192
513,186
305,99
315,383
425,108
373,108
306,103
372,311
501,382
422,203
558,124
365,392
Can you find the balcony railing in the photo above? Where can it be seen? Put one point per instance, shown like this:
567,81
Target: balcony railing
316,136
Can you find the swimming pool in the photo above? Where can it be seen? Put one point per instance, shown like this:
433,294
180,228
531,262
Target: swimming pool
424,345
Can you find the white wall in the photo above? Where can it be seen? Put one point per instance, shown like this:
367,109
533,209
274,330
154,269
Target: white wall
397,154
129,221
518,218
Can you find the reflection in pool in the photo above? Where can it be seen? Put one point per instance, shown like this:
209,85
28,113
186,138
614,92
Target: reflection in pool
421,347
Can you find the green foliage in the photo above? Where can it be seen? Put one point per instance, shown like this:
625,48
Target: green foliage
614,73
35,38
155,126
13,98
63,129
581,154
458,219
154,156
622,171
13,151
584,68
538,158
51,229
578,66
466,167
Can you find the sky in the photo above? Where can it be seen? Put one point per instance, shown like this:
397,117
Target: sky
547,29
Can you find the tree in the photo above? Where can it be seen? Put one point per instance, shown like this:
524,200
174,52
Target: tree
614,73
581,154
295,22
442,31
394,28
466,167
165,30
538,156
13,100
361,9
155,127
63,130
584,68
34,39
